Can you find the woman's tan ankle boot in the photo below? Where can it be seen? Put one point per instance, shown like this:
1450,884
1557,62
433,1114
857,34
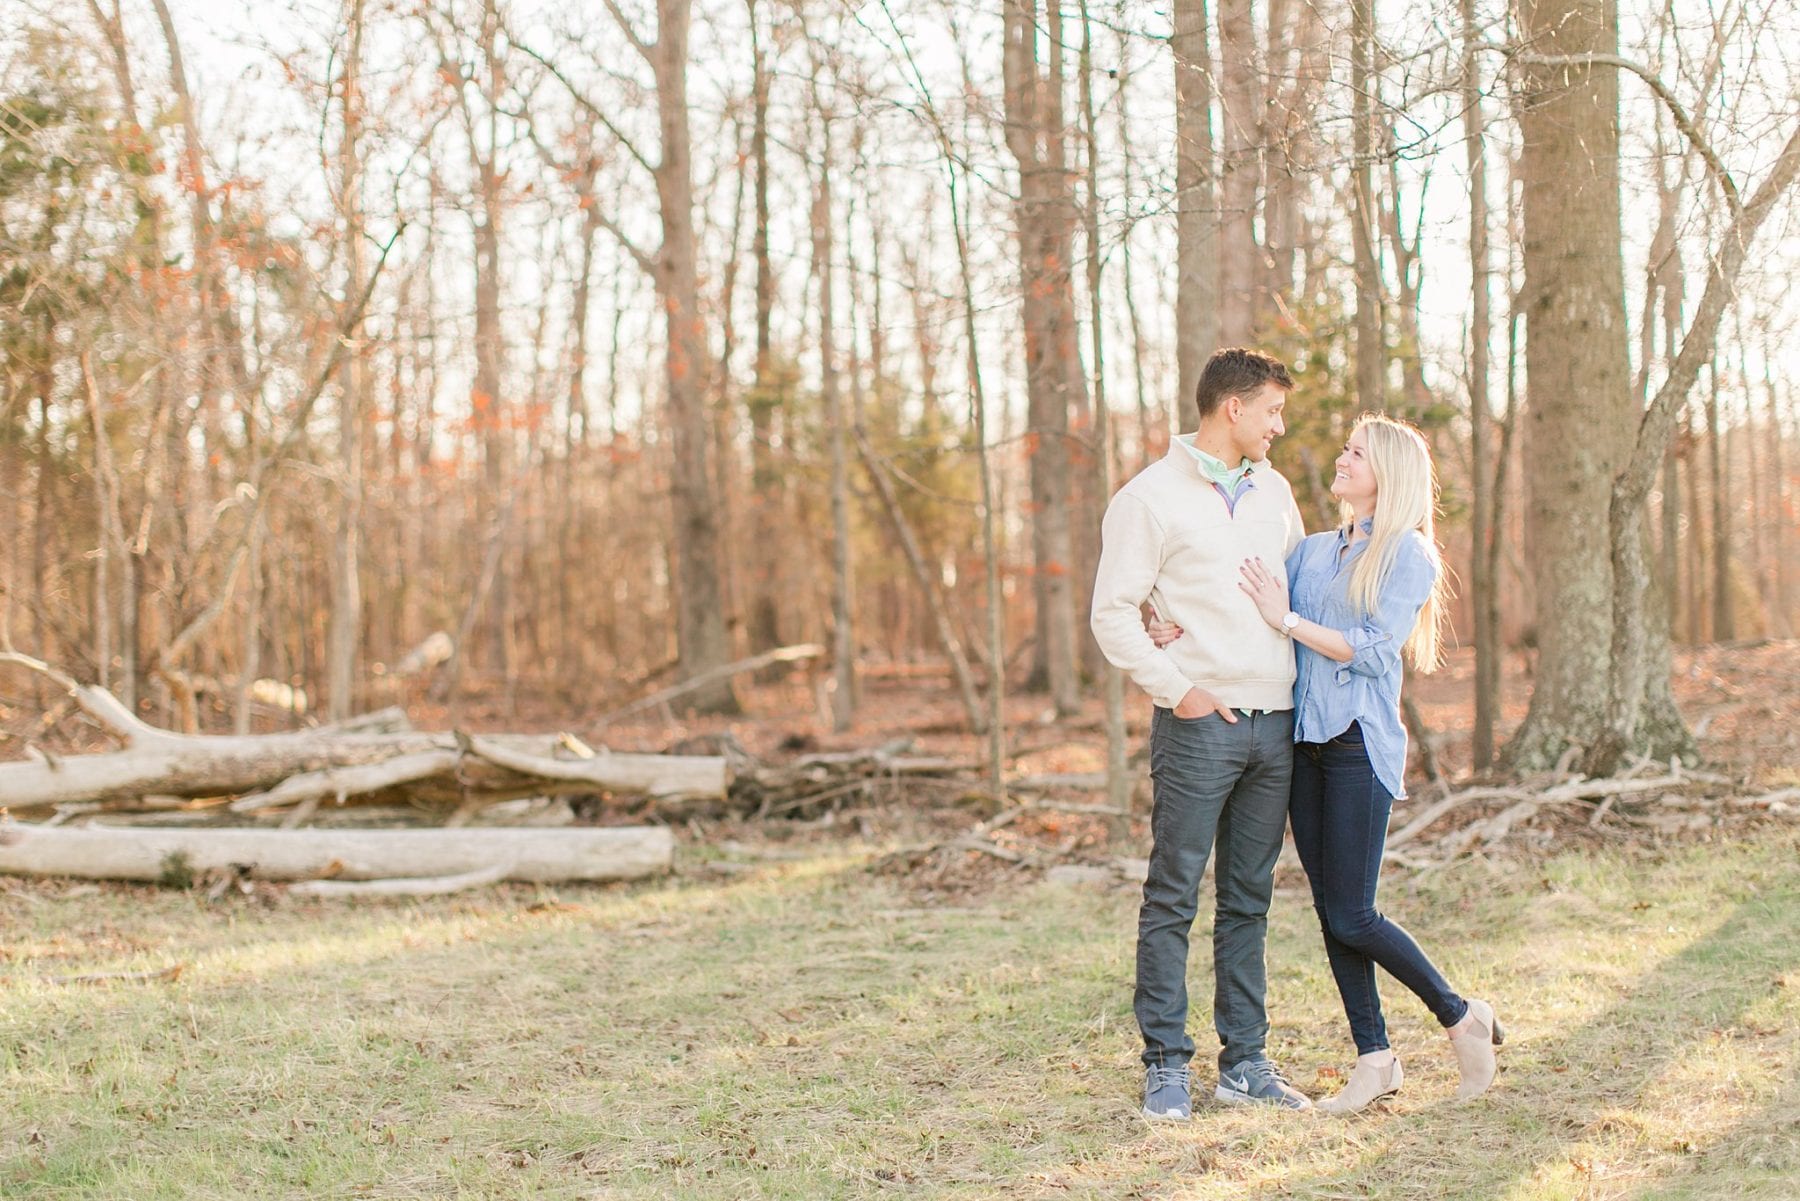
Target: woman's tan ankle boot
1367,1084
1474,1046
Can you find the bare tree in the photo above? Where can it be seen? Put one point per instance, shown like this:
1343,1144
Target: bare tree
346,598
1597,633
843,639
1371,337
1240,170
702,644
1197,297
1036,136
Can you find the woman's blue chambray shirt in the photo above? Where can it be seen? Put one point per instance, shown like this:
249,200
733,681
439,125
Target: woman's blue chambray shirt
1329,695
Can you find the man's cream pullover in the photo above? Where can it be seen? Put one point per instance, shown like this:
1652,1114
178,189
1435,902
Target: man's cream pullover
1171,537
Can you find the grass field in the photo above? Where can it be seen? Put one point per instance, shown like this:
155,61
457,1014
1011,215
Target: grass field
813,1030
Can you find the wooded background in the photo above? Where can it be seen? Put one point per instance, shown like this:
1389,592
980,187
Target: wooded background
553,354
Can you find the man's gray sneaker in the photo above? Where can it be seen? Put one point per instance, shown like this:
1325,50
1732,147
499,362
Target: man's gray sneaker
1166,1093
1259,1082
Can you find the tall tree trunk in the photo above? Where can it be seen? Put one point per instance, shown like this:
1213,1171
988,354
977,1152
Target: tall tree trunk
1112,680
1240,123
491,407
1724,624
1044,214
702,643
212,313
1148,420
572,650
249,635
765,480
1197,331
1578,412
1695,592
1371,349
1481,525
112,551
1781,561
346,599
843,636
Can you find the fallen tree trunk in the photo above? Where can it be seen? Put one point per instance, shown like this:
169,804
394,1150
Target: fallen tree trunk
200,765
147,853
340,761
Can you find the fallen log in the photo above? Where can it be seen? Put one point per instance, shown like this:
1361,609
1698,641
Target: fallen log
200,765
336,762
147,853
655,775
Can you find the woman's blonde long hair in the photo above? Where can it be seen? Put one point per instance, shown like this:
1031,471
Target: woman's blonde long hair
1406,498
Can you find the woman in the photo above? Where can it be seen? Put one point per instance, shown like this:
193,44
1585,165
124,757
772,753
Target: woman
1362,594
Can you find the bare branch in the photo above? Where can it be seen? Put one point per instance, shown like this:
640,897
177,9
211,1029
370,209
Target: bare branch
643,257
587,105
97,703
1696,345
629,30
1683,122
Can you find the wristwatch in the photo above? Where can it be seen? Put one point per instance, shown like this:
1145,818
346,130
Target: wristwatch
1289,620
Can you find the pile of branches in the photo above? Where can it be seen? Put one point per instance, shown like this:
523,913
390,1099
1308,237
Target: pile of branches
1650,799
379,760
1041,828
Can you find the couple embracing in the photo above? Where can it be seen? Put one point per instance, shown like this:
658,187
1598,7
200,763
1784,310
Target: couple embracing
1274,661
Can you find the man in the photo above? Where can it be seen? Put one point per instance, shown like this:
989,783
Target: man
1221,738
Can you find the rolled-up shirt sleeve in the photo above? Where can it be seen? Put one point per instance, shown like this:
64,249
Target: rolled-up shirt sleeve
1377,641
1131,546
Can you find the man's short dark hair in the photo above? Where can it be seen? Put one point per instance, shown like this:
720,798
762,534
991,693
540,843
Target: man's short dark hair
1236,371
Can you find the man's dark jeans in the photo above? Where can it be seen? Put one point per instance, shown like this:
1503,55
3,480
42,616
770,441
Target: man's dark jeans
1340,814
1223,783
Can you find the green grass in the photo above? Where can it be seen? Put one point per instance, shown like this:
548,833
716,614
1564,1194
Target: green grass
813,1031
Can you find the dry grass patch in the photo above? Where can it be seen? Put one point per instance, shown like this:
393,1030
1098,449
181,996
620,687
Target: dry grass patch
812,1031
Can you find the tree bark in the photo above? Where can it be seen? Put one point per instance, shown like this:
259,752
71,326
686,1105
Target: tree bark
1044,214
1112,680
765,395
1196,214
1578,411
491,409
701,640
346,600
1481,524
1371,347
1240,123
1724,626
843,638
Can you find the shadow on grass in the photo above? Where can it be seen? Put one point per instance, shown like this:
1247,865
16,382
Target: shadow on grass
1556,1093
819,1034
1758,1158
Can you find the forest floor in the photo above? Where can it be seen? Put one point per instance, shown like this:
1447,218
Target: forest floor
788,1018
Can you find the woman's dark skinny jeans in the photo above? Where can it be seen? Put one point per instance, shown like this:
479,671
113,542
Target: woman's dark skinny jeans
1339,812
